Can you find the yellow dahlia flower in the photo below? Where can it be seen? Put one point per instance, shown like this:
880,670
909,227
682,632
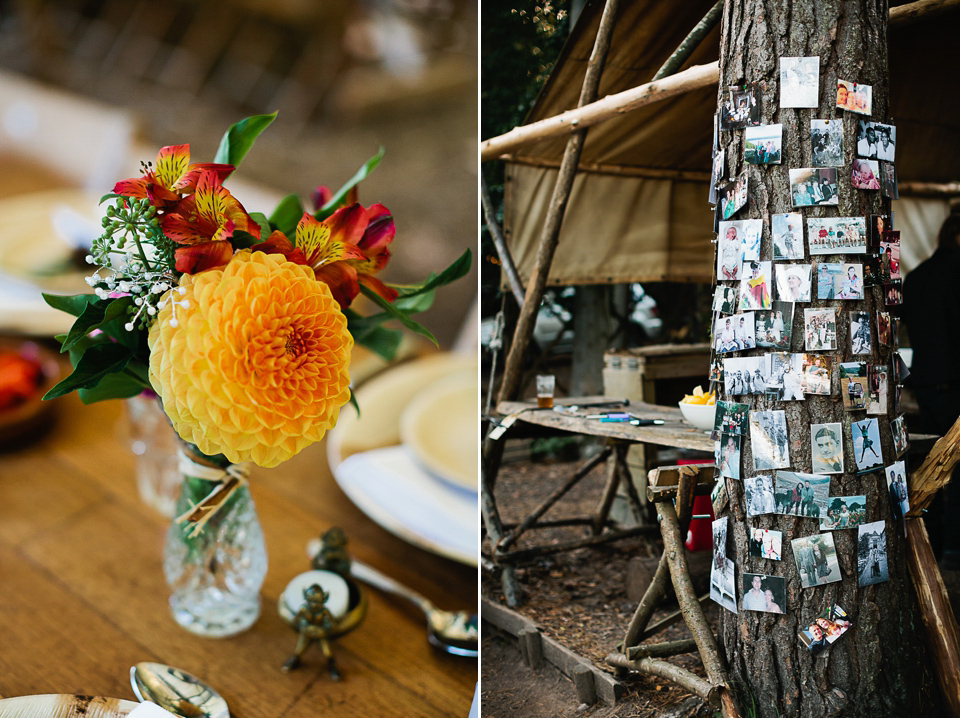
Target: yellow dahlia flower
251,361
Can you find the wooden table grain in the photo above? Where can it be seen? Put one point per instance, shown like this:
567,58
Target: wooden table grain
82,593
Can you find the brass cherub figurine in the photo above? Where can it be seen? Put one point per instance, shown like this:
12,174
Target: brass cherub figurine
333,555
314,623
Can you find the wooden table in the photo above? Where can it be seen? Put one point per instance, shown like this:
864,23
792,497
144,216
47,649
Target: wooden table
674,432
82,593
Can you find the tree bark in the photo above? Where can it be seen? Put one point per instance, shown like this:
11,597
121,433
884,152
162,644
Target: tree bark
879,667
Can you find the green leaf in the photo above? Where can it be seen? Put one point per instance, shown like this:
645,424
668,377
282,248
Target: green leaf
261,219
397,314
455,271
287,214
415,303
243,240
73,304
94,316
381,341
369,166
110,195
112,386
97,362
238,140
354,403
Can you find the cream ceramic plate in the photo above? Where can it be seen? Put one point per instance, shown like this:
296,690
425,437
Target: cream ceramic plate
62,705
386,481
442,427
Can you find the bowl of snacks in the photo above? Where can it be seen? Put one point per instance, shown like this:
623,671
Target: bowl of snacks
699,409
27,372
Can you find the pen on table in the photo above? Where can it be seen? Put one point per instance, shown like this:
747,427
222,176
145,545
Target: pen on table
646,422
609,415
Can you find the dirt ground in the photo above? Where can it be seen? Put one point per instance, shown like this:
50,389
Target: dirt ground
579,599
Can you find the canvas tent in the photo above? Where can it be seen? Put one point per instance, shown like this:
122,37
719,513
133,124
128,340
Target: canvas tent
638,210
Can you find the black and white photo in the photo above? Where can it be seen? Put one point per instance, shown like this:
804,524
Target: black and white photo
758,495
827,140
872,553
768,437
734,333
826,448
745,375
785,382
861,341
816,558
725,300
876,141
799,81
723,586
719,527
774,328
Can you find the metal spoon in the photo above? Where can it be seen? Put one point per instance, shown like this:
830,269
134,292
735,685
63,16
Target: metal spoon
455,632
177,691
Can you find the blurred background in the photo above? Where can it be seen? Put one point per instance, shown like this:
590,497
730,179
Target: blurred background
89,88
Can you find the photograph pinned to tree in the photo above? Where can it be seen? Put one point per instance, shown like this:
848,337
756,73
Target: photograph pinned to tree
755,284
766,543
799,81
758,495
820,329
745,375
734,333
719,528
877,376
854,97
844,512
774,328
727,456
733,196
861,341
853,385
763,593
787,232
793,282
839,281
801,494
865,174
888,180
890,255
878,224
768,436
816,374
837,235
740,107
898,430
725,300
826,448
816,558
730,246
872,272
716,174
716,370
896,475
876,141
867,452
813,186
884,325
718,496
746,231
730,418
872,553
723,585
827,140
762,145
827,628
785,382
893,295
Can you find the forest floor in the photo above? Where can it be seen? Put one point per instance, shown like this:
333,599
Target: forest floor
580,600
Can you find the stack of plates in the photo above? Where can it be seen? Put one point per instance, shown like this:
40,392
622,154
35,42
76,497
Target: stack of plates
410,459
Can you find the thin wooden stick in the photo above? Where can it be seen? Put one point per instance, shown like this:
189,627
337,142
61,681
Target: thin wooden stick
620,170
691,42
503,251
550,235
661,650
538,551
942,632
652,597
620,103
935,471
531,519
668,620
683,678
609,494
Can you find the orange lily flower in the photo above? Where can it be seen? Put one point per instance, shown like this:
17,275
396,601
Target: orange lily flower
205,221
170,177
344,250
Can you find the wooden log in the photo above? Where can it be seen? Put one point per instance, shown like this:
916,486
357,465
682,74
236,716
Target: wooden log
661,650
654,595
618,170
683,678
521,555
531,644
935,471
943,635
690,42
620,103
609,493
668,620
500,243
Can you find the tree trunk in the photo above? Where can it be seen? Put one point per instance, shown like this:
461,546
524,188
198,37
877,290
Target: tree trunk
879,667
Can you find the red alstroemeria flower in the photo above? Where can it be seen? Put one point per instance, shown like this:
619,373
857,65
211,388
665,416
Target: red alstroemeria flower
205,221
170,177
344,250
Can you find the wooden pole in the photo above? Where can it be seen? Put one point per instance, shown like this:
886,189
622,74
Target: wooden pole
691,79
942,633
506,259
550,235
691,42
683,678
935,471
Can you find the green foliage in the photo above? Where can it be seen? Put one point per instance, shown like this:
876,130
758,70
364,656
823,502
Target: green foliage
238,140
287,214
338,198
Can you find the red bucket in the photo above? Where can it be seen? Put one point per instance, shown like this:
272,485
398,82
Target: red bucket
700,533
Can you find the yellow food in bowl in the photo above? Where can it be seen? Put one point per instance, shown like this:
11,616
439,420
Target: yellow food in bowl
698,397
